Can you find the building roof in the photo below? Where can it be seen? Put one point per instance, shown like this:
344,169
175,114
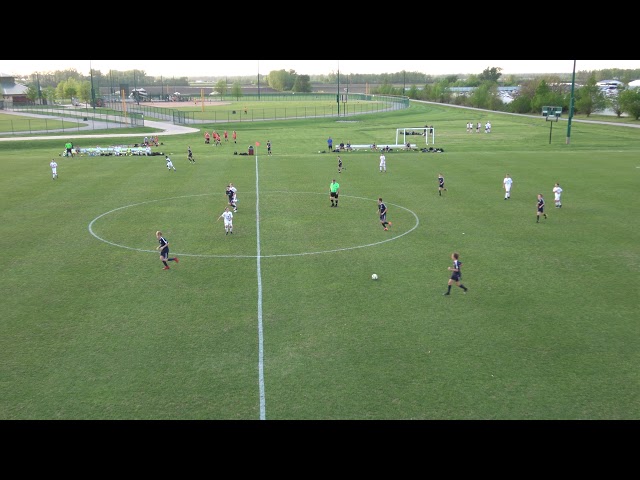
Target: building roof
9,87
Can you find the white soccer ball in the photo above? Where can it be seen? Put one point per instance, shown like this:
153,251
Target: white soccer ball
374,276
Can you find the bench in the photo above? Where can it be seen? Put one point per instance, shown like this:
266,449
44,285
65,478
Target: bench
384,145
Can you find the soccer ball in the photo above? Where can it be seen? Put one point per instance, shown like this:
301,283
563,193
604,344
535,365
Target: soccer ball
374,276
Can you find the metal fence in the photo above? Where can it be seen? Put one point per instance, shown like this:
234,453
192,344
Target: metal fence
59,118
328,106
51,118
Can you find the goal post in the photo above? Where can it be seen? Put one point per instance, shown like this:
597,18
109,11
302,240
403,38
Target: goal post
426,132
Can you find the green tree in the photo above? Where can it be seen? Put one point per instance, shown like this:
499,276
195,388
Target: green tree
49,93
221,87
413,92
281,80
302,84
545,96
481,96
70,88
32,93
630,102
84,92
520,104
490,75
589,98
614,103
236,90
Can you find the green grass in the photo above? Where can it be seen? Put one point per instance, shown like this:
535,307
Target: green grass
93,328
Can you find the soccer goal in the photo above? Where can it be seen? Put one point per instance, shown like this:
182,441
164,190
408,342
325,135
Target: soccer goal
403,133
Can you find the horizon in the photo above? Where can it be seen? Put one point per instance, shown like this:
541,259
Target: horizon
245,68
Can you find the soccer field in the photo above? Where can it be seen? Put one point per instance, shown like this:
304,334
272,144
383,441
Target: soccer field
281,320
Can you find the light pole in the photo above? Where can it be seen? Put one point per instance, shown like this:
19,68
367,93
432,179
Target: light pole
93,92
258,80
39,92
573,84
338,95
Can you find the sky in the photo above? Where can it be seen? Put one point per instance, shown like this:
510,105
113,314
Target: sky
216,68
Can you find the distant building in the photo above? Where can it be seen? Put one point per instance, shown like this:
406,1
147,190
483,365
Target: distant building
12,92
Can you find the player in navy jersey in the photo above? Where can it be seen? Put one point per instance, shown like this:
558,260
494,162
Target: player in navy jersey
231,192
164,250
540,207
441,184
190,155
382,210
456,274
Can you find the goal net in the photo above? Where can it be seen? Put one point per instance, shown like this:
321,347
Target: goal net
426,132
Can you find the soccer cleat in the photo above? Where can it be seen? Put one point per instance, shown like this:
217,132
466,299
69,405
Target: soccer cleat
389,223
385,229
166,267
176,259
446,293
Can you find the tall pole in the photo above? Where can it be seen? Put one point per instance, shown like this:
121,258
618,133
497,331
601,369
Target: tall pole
39,92
404,81
93,92
258,80
573,85
338,96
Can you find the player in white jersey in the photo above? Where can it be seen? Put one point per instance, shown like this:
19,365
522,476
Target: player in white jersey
228,220
170,163
506,184
557,191
383,163
54,169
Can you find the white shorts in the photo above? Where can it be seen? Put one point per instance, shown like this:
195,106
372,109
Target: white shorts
228,223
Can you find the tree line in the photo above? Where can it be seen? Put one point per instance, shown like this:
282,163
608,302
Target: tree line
534,91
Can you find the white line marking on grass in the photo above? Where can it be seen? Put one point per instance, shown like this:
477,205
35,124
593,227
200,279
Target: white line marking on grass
258,258
259,275
257,217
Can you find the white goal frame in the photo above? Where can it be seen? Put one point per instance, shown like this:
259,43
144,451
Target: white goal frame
425,133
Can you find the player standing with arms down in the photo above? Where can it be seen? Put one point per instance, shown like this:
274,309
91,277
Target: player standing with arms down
540,207
557,192
334,192
383,163
506,184
54,169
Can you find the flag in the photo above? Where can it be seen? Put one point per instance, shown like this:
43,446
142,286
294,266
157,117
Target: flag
257,144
